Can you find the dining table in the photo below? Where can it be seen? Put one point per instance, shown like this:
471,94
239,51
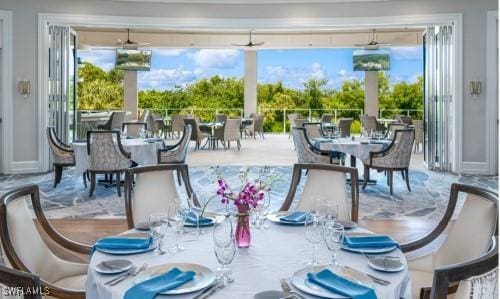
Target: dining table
274,254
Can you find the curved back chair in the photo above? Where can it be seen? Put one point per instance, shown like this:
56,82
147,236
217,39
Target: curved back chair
418,125
326,118
323,181
220,118
147,118
177,123
307,152
230,131
18,279
368,123
26,251
468,239
313,129
395,157
158,124
257,126
299,122
344,126
63,154
176,153
154,190
197,135
407,120
115,121
392,128
107,156
133,129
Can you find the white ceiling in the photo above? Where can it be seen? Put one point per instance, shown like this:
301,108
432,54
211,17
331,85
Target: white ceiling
251,1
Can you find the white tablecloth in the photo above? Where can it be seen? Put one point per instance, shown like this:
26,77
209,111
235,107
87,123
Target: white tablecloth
142,152
351,147
274,254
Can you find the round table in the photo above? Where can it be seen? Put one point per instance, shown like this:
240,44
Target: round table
142,151
273,254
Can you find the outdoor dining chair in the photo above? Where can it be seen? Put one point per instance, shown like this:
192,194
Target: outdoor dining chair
197,135
313,129
344,127
134,129
63,154
114,123
230,131
308,153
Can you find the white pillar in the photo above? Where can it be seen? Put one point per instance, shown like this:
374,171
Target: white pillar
371,93
130,94
250,83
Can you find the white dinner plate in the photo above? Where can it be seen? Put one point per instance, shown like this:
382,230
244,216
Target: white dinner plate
113,266
215,219
370,250
204,277
300,281
386,264
275,217
126,251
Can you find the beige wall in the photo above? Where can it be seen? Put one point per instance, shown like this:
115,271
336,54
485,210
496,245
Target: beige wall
25,46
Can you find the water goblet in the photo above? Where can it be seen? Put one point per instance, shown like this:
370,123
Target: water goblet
197,211
333,234
158,223
177,219
313,232
224,248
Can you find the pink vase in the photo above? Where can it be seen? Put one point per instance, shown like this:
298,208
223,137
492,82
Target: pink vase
243,227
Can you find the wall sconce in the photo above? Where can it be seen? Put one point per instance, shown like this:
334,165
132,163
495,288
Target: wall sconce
24,87
475,88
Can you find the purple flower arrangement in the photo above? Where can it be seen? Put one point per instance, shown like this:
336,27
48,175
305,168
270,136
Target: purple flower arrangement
250,194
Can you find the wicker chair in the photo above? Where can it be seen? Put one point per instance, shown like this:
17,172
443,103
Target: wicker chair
467,248
308,153
291,121
177,124
151,189
176,153
299,122
220,118
407,120
63,154
395,157
107,156
313,130
158,125
26,250
257,127
230,131
418,124
326,118
323,181
147,117
197,135
114,123
392,128
134,129
369,124
344,126
13,278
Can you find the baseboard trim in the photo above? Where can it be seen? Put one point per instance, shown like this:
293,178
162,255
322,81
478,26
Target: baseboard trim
475,167
25,167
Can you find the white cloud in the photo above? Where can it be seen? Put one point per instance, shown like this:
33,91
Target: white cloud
166,78
295,77
215,58
105,59
169,52
407,53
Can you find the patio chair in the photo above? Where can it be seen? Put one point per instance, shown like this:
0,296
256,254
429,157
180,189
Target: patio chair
291,121
418,125
466,249
14,279
220,118
392,128
151,189
344,127
299,122
114,123
176,153
147,117
63,155
26,251
134,129
307,152
158,125
368,123
396,157
313,129
106,156
321,182
326,118
257,127
404,119
197,135
230,131
177,124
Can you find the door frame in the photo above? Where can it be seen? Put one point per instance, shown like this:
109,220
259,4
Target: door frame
492,92
7,95
262,24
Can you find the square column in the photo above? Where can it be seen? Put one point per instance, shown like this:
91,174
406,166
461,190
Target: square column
250,83
371,93
130,94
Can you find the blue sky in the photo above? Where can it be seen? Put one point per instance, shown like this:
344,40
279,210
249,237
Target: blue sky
172,67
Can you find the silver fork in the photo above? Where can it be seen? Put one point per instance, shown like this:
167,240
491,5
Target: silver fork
132,269
142,268
288,289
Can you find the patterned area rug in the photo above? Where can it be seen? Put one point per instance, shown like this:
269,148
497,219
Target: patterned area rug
427,200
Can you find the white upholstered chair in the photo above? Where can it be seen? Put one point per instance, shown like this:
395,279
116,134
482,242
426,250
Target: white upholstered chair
25,250
13,278
154,190
322,181
468,238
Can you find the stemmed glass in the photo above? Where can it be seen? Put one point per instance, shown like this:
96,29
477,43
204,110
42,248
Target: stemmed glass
197,211
330,209
333,234
261,212
158,223
177,219
225,248
313,234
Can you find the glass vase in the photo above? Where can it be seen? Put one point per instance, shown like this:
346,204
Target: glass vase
243,227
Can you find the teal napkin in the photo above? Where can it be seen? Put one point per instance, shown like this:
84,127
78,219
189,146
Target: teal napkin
332,282
122,243
148,289
295,217
191,219
377,241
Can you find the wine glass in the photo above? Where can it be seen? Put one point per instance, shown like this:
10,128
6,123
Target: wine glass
176,219
158,223
224,248
333,234
330,210
261,212
313,233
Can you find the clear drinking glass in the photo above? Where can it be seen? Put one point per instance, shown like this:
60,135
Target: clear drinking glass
197,211
158,224
224,248
314,233
333,234
330,209
261,212
177,219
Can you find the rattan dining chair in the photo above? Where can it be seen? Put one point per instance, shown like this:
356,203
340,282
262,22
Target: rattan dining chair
321,182
313,129
230,131
326,118
407,120
396,157
307,152
196,135
176,153
26,250
106,156
14,282
220,118
151,189
418,125
344,127
368,123
63,154
114,123
467,246
256,127
134,129
177,124
392,128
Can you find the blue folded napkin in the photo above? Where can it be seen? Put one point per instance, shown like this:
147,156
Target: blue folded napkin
122,243
378,241
295,217
148,289
332,282
191,219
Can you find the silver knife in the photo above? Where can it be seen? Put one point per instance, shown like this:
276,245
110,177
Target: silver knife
213,291
205,291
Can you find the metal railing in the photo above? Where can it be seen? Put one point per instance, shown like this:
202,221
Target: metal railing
415,113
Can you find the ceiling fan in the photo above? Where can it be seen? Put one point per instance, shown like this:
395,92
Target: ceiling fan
130,43
373,44
250,43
